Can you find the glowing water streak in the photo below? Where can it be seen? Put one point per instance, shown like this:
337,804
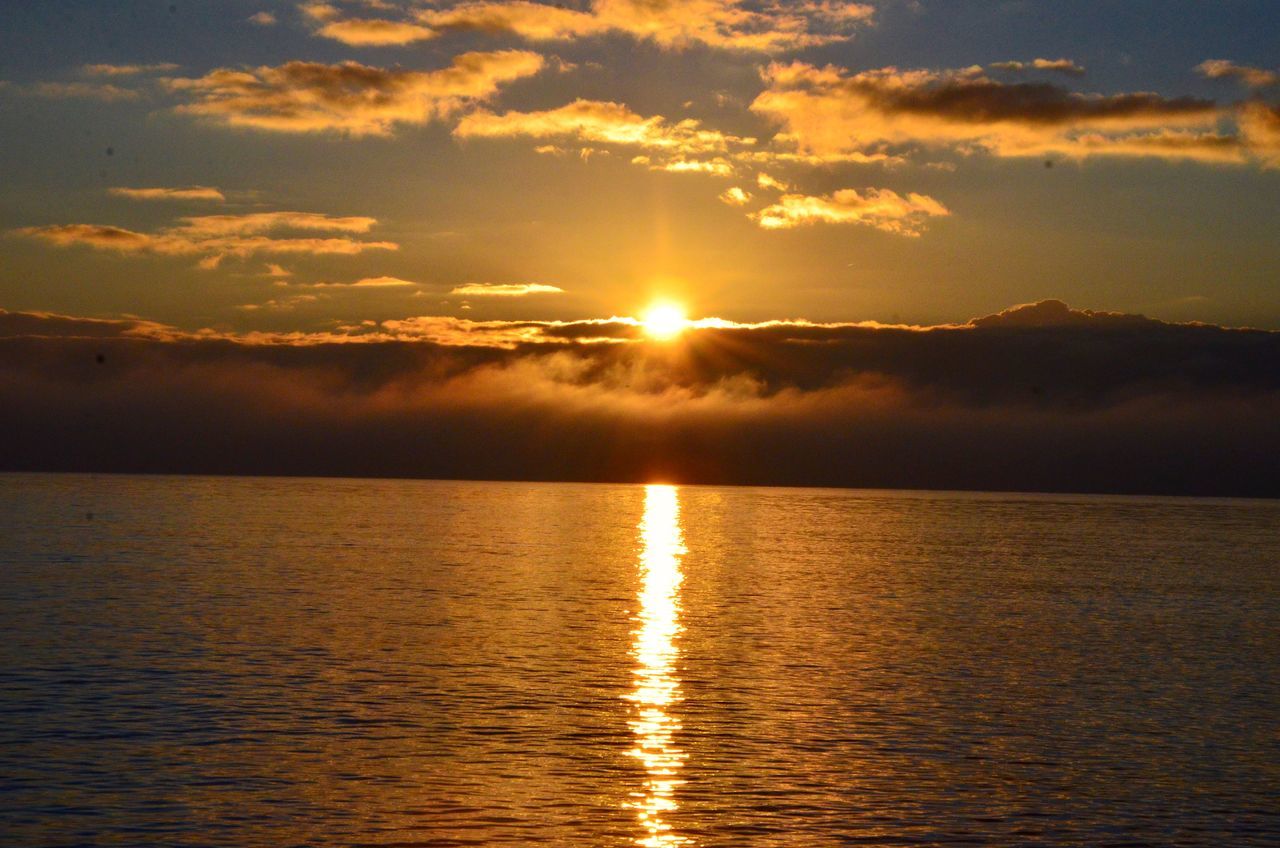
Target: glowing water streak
657,689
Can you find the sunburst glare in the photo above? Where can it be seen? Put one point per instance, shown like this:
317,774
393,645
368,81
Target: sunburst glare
664,321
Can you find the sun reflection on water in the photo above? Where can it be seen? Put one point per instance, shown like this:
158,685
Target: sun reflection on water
657,689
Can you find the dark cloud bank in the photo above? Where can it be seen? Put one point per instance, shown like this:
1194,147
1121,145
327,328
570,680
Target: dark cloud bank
1035,398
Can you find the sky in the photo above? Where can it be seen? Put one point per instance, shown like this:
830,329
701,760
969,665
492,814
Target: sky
918,161
360,214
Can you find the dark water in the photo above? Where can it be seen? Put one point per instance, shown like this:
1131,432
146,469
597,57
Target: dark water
321,662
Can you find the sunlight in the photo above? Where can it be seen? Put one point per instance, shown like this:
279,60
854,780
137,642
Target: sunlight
657,688
664,321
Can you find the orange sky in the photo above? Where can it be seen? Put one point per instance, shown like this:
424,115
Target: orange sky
299,166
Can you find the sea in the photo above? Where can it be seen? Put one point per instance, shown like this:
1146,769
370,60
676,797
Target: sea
304,662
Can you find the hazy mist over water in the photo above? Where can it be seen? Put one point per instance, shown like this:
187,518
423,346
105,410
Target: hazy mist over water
215,661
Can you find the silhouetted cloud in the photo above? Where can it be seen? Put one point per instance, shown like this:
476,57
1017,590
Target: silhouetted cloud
1036,397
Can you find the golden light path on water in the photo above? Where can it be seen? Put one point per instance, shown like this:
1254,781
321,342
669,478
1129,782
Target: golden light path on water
657,689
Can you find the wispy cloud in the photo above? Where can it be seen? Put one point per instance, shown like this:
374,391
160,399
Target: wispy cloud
215,237
105,92
829,110
374,32
1061,66
129,70
880,208
350,98
726,24
599,122
504,289
368,283
160,193
1250,76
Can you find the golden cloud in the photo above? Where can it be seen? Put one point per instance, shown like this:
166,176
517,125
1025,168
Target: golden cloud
1062,66
504,289
1260,126
600,122
218,236
373,32
728,24
349,98
1250,76
880,208
129,70
368,283
184,193
80,90
830,111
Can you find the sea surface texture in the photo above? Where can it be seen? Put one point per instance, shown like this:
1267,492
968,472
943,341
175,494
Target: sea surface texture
271,662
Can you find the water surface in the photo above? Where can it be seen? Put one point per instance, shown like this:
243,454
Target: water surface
205,661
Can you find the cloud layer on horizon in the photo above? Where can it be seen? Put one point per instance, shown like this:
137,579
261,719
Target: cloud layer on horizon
1037,397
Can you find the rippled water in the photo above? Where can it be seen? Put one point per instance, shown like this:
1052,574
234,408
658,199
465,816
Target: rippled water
201,661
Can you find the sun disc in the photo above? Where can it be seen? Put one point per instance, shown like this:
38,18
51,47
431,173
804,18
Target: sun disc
664,321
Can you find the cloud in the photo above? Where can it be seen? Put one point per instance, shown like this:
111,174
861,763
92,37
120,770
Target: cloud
205,226
262,19
80,90
367,283
672,24
129,70
717,167
1260,126
684,146
504,289
880,208
1250,76
319,11
765,181
1039,397
348,98
735,196
283,304
277,271
726,24
1062,66
218,236
184,193
599,122
373,32
828,110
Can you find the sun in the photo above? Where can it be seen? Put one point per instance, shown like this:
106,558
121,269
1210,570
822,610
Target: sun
664,321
